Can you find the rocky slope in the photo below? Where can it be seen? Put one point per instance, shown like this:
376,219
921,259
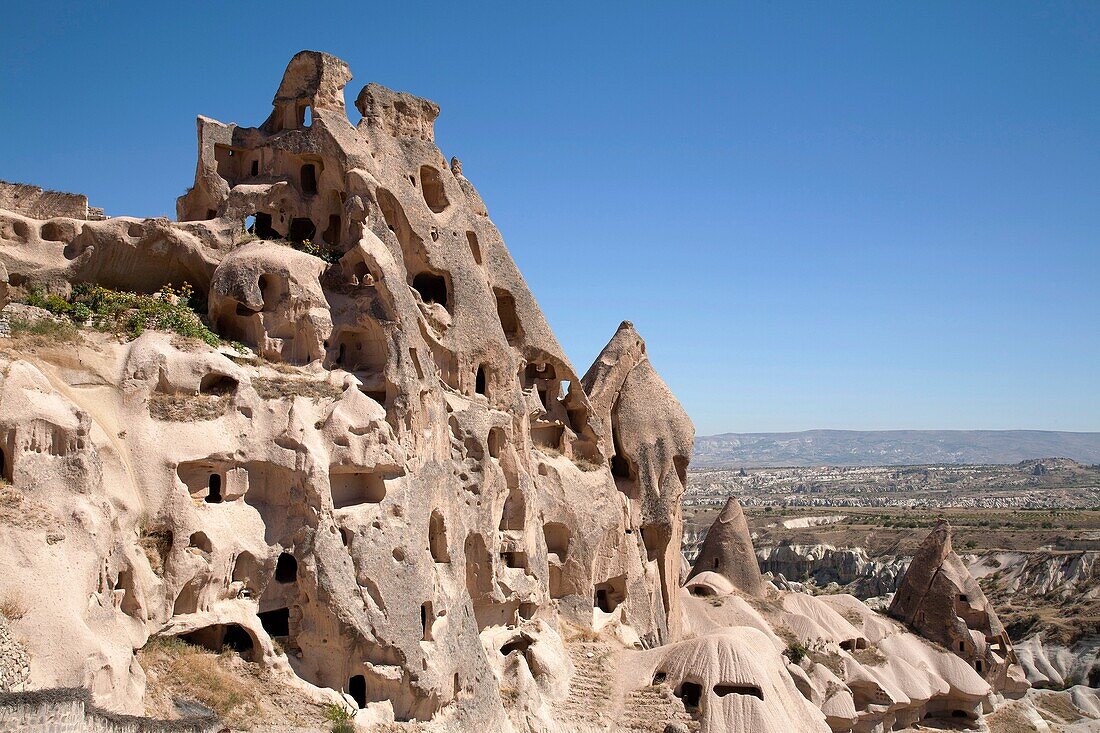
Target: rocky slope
369,478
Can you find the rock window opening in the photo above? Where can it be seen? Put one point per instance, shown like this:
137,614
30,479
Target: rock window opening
978,665
962,646
214,492
495,442
659,677
437,538
610,594
332,234
305,116
702,591
250,223
210,214
219,637
356,487
261,226
527,611
357,688
301,229
432,288
479,380
715,565
427,618
308,179
431,185
255,168
506,312
519,644
691,693
962,598
217,384
721,690
4,466
475,248
277,622
201,542
557,541
361,273
516,560
286,568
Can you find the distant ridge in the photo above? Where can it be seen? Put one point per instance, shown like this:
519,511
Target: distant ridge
892,447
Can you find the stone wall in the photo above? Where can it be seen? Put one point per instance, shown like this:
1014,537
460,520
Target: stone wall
70,710
38,203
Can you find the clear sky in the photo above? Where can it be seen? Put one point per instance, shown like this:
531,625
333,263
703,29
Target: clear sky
819,215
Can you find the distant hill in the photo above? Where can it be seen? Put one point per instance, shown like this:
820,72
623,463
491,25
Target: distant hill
892,447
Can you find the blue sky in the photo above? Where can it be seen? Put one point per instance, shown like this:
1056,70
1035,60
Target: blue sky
819,215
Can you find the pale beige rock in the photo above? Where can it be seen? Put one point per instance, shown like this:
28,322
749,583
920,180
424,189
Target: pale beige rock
939,598
727,550
399,496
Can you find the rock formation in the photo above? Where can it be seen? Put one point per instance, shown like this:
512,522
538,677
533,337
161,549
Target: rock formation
727,551
939,598
378,480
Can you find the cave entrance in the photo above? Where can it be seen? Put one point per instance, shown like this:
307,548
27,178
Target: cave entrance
261,226
286,568
479,380
723,689
219,637
309,179
432,288
357,688
276,622
691,693
301,229
214,492
332,234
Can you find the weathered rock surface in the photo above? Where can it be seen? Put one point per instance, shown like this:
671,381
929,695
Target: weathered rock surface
941,600
400,496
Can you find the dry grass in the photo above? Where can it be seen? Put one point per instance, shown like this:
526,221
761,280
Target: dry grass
40,333
243,694
12,605
155,540
831,662
870,656
188,407
280,388
17,510
586,465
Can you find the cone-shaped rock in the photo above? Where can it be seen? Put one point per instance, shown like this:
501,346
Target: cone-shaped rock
649,438
940,600
728,550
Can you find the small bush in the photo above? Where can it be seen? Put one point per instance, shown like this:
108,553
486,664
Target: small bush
796,651
44,331
340,717
322,250
130,314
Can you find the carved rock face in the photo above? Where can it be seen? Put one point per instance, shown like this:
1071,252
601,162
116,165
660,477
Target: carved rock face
269,297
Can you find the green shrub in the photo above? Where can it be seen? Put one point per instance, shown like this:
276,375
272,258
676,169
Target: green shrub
340,717
324,251
44,329
796,651
130,314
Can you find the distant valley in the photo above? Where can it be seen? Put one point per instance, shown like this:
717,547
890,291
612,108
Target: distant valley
892,447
